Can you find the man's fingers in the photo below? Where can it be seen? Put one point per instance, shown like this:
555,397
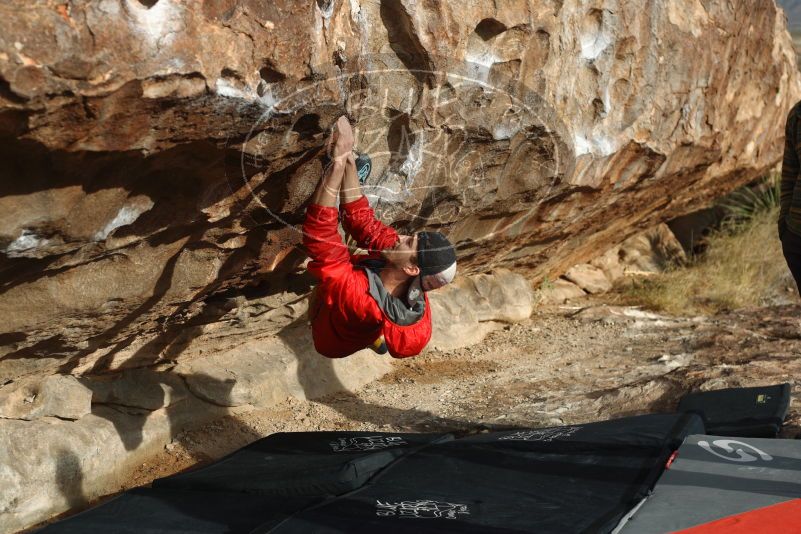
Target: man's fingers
344,129
344,139
343,125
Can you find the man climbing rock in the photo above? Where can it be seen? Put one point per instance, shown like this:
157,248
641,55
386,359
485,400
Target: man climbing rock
375,300
790,214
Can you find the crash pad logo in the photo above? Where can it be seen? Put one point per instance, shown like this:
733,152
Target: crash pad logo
734,451
422,509
763,399
366,443
543,434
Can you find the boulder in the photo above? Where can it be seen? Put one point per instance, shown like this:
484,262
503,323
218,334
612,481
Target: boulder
150,171
652,251
472,306
147,389
61,396
559,291
263,372
589,278
48,466
609,263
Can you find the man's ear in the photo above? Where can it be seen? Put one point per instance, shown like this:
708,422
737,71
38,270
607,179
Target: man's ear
411,269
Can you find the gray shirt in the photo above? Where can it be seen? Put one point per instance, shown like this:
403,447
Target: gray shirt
401,311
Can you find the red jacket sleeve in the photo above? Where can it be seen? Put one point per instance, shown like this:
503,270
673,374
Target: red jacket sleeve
329,255
359,221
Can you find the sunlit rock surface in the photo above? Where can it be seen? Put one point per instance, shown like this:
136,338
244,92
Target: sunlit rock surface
158,156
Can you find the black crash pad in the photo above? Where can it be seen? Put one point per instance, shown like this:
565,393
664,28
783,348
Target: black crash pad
746,412
580,478
303,463
158,511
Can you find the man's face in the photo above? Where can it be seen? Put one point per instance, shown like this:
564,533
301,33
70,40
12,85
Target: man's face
404,254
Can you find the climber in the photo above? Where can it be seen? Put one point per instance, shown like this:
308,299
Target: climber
790,198
375,300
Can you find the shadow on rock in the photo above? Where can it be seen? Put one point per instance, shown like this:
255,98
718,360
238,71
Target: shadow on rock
322,383
69,478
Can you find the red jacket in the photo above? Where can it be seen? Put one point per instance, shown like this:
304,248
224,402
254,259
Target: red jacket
345,317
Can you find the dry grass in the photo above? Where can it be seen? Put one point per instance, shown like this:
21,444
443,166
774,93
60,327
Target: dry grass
742,266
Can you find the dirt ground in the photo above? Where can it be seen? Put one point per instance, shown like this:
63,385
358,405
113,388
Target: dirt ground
571,364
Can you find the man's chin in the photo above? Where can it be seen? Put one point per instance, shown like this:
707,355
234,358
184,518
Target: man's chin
389,261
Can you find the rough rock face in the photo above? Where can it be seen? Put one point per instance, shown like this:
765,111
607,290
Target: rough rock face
60,396
158,156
